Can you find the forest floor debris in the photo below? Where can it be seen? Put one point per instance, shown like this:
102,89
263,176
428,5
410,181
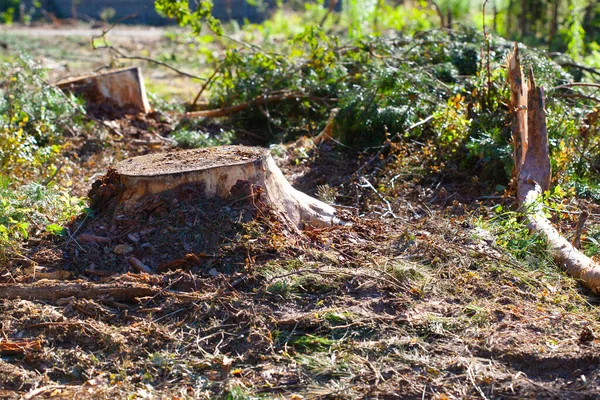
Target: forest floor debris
447,297
425,304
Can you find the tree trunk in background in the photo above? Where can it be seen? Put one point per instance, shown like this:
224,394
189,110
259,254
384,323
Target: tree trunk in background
509,14
439,13
523,19
495,11
553,24
588,17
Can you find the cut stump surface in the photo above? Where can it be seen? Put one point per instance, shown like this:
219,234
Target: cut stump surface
214,172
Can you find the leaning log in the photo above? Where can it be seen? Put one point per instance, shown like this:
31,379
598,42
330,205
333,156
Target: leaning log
533,172
217,172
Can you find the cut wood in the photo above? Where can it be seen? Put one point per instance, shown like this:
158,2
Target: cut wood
139,266
221,172
123,89
533,172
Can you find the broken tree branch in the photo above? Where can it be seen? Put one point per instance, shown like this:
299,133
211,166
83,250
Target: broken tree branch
51,291
533,177
260,100
581,67
575,84
579,228
122,55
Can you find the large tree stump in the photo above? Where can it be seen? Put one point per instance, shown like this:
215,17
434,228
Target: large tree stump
122,89
214,172
533,172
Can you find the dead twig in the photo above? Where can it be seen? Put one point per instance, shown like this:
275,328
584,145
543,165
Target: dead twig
205,85
577,84
387,203
122,55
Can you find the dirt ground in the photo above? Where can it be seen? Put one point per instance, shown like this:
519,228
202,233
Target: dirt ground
421,303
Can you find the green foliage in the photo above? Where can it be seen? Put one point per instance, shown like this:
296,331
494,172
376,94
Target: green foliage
512,234
8,10
33,207
191,139
310,343
382,84
574,35
181,12
107,14
34,118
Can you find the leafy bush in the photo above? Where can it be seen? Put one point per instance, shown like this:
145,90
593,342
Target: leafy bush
384,83
192,139
34,118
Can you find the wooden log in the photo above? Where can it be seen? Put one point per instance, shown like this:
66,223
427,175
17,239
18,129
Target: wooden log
214,172
534,174
123,89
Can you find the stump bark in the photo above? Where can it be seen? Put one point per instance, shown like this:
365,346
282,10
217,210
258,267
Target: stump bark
532,172
217,172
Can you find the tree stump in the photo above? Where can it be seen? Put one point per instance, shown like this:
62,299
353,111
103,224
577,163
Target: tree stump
122,89
220,172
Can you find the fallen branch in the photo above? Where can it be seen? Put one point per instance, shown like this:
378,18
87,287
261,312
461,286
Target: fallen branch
261,100
533,176
581,67
52,291
122,291
577,84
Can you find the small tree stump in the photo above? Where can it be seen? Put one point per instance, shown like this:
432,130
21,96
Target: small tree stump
214,172
122,89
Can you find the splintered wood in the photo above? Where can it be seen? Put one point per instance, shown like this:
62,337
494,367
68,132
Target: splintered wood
532,172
